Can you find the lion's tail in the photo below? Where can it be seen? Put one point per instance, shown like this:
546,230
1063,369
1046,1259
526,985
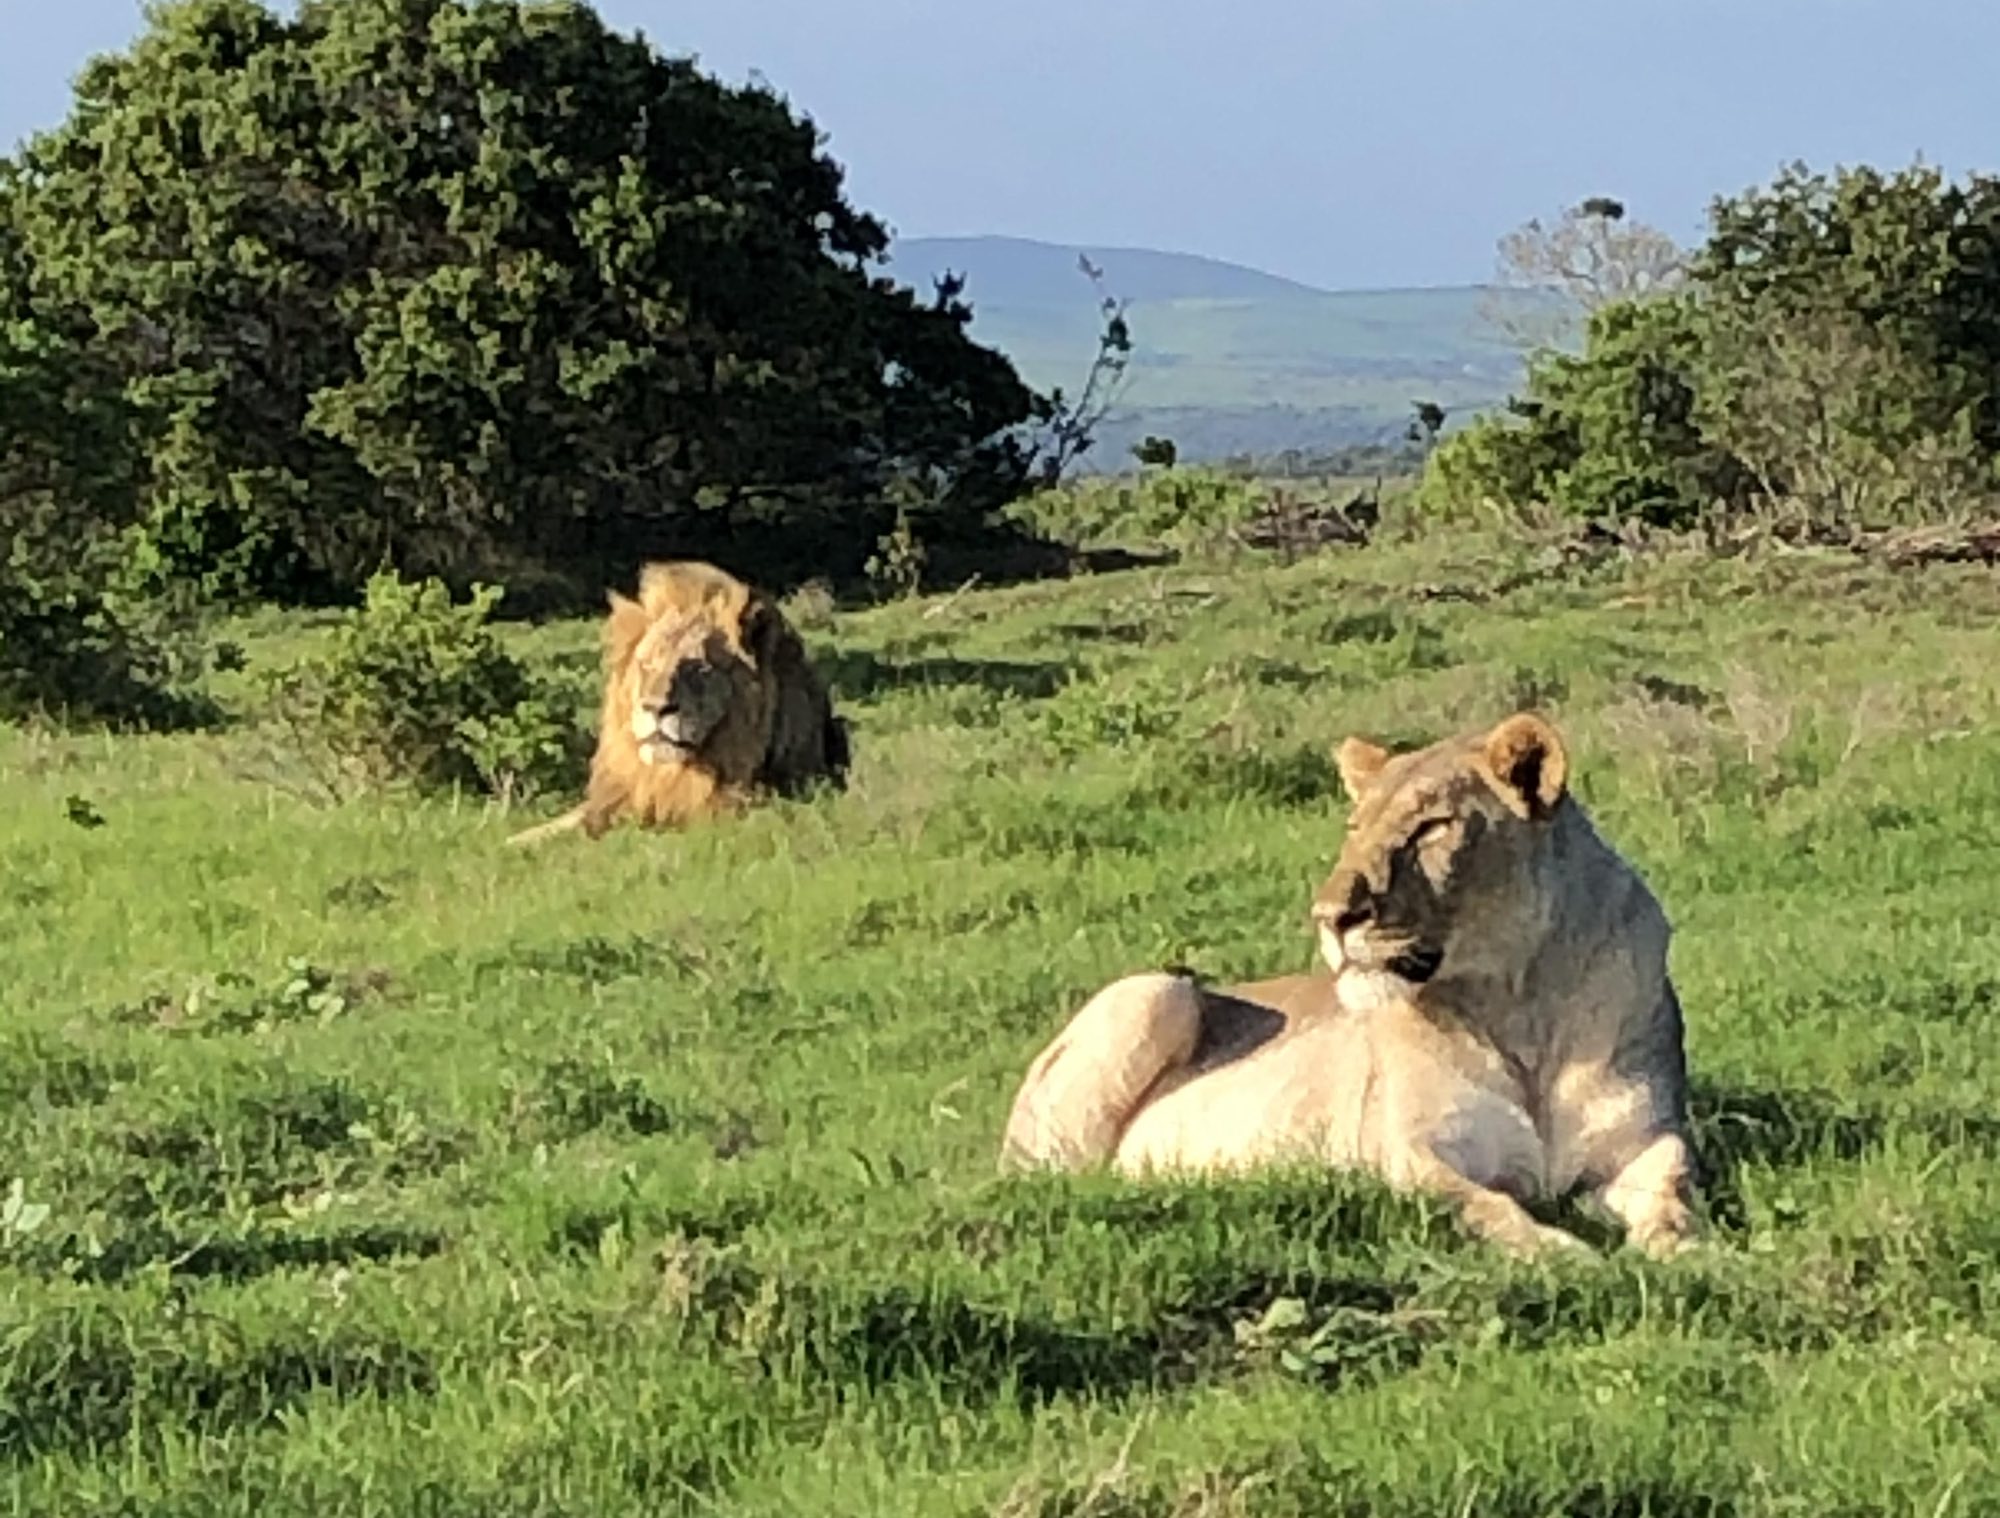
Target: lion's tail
569,822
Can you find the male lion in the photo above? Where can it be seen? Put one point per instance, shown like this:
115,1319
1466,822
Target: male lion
1493,1020
709,698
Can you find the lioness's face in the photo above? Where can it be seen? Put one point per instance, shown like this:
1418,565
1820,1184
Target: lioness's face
1439,857
687,673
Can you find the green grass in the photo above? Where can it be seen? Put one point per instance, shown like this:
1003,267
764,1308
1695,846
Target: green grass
389,1171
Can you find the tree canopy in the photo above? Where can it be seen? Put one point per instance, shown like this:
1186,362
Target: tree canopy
457,285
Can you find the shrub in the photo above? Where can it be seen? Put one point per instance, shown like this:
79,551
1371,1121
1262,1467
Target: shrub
416,690
83,639
88,630
1834,351
1841,420
1498,462
1169,506
1610,434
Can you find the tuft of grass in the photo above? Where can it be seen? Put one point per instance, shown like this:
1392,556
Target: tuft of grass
352,1163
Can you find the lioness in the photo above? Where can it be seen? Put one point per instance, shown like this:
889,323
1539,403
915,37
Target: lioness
709,698
1493,1019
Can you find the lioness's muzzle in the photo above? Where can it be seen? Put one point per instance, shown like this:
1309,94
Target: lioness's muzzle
1416,965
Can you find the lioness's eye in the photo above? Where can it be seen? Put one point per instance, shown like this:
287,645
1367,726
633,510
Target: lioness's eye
1429,829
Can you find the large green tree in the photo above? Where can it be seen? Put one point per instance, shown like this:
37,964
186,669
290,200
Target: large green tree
457,284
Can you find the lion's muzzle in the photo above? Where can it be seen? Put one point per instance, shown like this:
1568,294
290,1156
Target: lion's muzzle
678,719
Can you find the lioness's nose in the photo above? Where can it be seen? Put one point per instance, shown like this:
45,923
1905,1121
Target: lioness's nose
1345,902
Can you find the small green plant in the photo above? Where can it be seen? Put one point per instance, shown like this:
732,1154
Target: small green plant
418,690
231,1001
896,568
1087,716
1343,1341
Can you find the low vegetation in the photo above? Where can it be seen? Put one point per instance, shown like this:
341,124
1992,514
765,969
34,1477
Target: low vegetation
355,1163
1828,356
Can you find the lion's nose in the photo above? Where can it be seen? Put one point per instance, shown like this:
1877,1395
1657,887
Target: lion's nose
688,686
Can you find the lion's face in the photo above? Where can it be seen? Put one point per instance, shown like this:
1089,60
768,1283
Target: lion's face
1438,872
688,674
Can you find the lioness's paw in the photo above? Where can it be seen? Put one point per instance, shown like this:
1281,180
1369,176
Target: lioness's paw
1562,1241
1540,1241
1674,1245
1665,1240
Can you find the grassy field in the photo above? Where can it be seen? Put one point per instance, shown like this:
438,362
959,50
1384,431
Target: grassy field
367,1167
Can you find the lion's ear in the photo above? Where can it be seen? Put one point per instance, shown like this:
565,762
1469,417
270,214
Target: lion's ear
623,629
762,628
1526,756
1359,762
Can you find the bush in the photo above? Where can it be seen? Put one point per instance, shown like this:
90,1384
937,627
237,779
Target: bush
1837,418
1498,463
416,690
88,629
1170,507
1836,351
1610,434
84,639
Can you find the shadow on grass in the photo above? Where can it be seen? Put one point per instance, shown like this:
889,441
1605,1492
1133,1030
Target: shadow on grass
899,1334
857,675
83,1378
250,1255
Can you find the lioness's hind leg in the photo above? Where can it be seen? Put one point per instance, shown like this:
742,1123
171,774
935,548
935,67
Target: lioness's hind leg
1082,1089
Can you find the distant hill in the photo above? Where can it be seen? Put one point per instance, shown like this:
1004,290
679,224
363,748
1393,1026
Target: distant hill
1015,271
1227,359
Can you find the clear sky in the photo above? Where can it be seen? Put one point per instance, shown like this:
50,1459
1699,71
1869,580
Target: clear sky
1343,142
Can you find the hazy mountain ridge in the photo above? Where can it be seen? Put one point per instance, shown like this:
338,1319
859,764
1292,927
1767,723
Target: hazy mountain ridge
1226,359
1015,271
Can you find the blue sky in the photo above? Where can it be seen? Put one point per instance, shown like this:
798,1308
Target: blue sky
1344,142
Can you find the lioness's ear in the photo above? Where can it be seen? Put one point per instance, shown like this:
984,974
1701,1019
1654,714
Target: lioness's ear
1526,756
1359,762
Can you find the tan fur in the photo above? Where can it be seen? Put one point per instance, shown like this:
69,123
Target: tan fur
709,701
1492,1021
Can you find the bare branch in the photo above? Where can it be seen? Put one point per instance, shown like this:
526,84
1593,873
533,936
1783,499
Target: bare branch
1589,258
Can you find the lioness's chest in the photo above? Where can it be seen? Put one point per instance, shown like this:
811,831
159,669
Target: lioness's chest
1491,1140
1458,1099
